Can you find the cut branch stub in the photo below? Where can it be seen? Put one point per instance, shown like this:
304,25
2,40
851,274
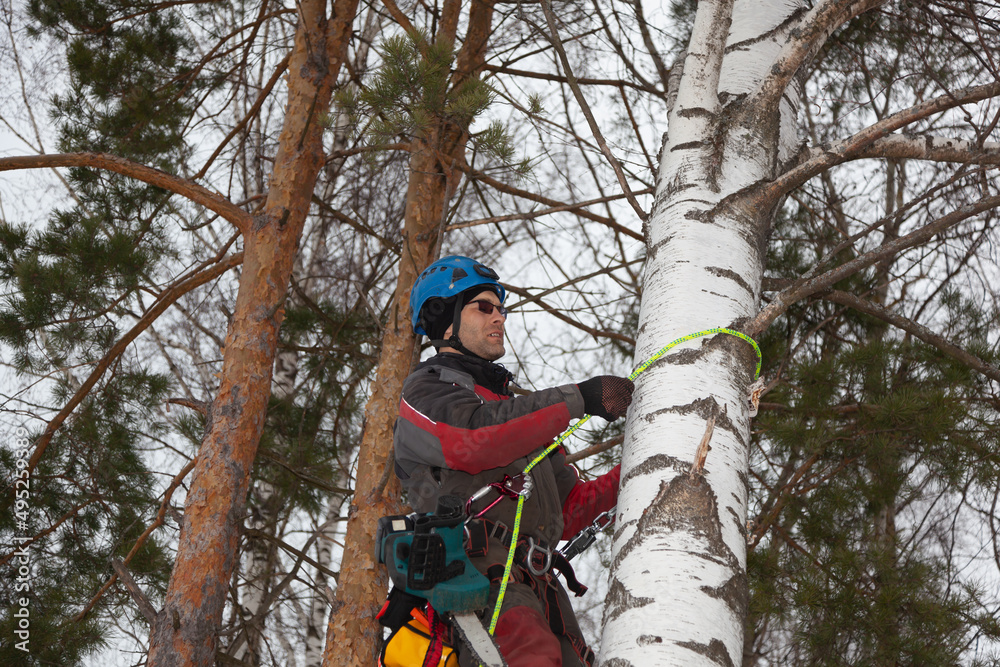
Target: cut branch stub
701,454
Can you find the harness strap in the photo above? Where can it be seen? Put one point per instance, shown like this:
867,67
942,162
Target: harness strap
537,560
562,566
433,656
556,613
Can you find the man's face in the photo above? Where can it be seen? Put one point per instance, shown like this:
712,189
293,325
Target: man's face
480,332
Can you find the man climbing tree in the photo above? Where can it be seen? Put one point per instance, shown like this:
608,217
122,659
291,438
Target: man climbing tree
461,429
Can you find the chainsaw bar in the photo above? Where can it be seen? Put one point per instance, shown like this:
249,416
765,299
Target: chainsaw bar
473,634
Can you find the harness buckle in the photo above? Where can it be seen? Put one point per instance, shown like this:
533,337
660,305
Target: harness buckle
500,531
529,558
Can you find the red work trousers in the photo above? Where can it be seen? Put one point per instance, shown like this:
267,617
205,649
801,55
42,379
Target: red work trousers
525,639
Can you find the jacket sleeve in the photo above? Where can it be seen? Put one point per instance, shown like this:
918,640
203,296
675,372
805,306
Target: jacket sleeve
444,422
586,500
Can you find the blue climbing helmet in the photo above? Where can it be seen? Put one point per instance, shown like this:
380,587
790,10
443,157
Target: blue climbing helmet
442,282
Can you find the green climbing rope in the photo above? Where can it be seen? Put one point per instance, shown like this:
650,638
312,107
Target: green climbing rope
515,532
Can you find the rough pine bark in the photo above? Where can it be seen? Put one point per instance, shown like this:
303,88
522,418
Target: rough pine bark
353,635
186,629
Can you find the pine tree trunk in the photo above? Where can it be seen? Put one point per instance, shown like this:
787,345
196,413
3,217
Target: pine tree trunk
353,636
186,630
678,591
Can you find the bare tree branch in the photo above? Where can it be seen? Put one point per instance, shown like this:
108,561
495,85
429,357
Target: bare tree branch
812,29
531,196
165,299
250,115
140,599
181,186
587,113
804,288
853,147
913,328
594,449
558,314
935,149
531,215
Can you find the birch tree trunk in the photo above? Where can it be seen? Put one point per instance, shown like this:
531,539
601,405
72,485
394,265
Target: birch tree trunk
678,591
186,629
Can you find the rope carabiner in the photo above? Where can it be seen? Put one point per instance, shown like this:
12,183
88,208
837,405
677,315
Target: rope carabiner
505,488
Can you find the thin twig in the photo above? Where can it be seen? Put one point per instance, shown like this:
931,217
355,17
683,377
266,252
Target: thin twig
140,599
915,329
198,406
596,448
588,114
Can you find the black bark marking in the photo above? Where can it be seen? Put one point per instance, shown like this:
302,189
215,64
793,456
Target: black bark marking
732,275
616,662
704,408
619,529
738,352
725,296
767,36
688,146
714,651
695,112
682,505
735,593
655,463
736,517
745,479
619,601
684,357
736,99
707,216
685,506
668,190
655,248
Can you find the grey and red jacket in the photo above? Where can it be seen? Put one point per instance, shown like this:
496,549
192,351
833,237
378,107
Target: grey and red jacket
460,428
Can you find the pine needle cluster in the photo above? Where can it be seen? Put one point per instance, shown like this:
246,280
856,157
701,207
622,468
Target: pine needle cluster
414,95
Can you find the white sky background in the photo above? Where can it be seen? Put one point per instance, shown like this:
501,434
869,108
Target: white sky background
31,71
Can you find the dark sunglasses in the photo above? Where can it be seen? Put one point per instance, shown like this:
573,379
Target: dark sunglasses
487,307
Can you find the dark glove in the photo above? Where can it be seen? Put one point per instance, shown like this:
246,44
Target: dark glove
606,396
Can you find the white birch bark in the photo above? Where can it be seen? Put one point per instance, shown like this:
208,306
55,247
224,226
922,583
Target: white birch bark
678,590
263,512
319,603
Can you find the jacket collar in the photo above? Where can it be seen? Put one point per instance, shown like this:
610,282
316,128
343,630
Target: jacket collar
487,374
